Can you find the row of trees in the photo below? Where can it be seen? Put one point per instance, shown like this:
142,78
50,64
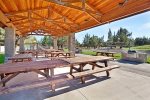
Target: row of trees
92,41
48,41
121,38
142,41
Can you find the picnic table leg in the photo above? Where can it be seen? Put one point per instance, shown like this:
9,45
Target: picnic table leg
102,54
68,55
106,64
81,69
107,54
96,53
71,69
46,71
36,54
112,55
2,76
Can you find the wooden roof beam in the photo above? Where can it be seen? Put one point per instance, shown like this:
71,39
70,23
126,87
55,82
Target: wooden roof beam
20,23
96,19
46,20
84,9
4,20
59,13
69,1
93,8
23,11
68,5
14,21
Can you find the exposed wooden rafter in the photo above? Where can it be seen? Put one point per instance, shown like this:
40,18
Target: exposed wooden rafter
47,20
69,5
4,20
61,17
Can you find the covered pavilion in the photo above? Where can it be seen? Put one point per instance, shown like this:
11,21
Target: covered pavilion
61,17
65,18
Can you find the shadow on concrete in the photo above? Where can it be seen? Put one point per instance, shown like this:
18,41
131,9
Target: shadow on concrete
128,62
46,92
73,85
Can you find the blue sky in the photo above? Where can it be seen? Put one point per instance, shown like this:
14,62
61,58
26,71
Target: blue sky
139,25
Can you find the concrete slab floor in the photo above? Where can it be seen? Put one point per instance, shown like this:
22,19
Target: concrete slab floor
122,85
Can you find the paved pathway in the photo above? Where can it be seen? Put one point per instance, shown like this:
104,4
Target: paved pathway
139,68
123,85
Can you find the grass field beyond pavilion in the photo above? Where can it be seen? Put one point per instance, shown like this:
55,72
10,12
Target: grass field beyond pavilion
143,47
118,55
2,58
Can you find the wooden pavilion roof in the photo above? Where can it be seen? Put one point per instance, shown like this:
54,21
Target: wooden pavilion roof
62,17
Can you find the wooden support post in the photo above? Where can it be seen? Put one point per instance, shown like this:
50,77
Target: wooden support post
55,43
21,44
9,42
71,44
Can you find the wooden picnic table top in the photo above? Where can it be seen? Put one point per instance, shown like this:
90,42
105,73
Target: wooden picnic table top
20,56
33,65
39,65
59,52
78,60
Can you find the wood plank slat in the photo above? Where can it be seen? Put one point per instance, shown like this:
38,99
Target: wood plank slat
34,84
90,72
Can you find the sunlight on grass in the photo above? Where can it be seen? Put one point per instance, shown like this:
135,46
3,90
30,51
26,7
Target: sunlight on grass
148,60
88,52
143,47
2,57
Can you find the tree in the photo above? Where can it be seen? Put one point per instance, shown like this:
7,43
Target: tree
47,41
123,35
86,41
77,43
61,42
142,41
110,37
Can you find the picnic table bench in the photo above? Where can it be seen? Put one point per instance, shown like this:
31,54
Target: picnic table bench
21,58
60,54
9,71
105,53
83,61
33,52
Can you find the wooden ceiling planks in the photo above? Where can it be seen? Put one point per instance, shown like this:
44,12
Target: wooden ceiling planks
66,16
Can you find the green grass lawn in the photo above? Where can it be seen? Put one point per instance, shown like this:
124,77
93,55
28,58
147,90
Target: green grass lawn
2,57
117,56
143,47
148,60
88,52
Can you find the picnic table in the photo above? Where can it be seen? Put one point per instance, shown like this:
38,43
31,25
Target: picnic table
21,58
33,52
58,54
9,70
83,61
105,53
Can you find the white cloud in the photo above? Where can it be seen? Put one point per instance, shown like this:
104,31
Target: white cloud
146,25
